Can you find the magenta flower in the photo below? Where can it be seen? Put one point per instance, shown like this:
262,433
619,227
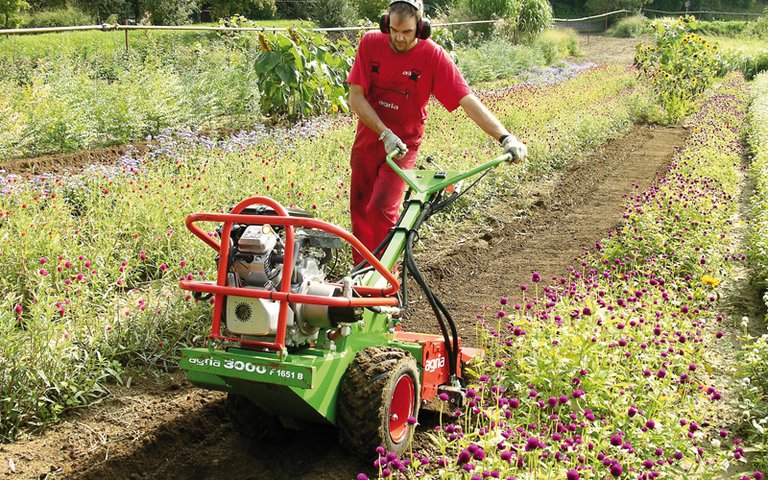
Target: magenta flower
535,278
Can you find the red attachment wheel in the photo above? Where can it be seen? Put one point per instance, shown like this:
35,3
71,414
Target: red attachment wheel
401,408
378,394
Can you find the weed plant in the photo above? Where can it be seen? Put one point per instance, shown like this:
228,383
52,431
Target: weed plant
629,27
90,262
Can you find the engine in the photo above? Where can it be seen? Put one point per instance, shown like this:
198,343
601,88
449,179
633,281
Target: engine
256,261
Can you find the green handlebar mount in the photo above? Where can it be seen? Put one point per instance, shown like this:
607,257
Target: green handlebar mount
431,181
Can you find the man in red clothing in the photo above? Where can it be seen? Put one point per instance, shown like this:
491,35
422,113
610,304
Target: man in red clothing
394,74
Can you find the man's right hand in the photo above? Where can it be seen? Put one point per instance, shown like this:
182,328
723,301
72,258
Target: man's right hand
393,142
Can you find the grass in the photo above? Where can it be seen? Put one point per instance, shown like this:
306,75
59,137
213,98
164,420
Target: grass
748,55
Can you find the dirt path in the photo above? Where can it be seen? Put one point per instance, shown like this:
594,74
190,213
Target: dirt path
164,428
573,214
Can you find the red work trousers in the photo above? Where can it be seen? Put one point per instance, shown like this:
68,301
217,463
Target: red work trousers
376,193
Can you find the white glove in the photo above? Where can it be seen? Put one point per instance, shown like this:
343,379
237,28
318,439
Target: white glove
393,142
514,146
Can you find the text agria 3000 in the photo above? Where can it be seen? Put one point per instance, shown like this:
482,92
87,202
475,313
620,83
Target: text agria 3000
287,344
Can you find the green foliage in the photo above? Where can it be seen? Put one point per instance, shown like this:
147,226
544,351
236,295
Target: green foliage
602,6
758,143
301,74
334,13
754,390
86,94
501,58
371,9
10,10
561,42
60,17
748,55
533,17
759,27
731,28
169,12
469,10
629,27
569,9
250,8
753,370
496,59
680,65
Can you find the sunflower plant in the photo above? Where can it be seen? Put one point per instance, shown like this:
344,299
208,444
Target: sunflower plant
680,65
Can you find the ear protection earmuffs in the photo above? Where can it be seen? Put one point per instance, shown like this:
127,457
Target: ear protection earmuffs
423,27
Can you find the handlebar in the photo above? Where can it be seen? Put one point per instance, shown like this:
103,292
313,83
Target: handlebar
438,180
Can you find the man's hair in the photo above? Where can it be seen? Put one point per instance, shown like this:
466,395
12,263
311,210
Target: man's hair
407,8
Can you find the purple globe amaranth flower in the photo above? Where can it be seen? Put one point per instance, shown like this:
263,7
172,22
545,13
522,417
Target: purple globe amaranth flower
464,457
572,475
616,469
535,278
616,440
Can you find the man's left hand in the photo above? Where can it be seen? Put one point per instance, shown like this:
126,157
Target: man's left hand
515,147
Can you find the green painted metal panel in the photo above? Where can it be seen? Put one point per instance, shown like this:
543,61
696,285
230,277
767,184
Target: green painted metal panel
255,368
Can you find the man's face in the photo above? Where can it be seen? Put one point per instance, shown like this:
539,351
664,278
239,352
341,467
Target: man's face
402,32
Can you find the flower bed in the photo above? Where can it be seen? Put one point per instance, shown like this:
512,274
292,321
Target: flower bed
90,262
605,372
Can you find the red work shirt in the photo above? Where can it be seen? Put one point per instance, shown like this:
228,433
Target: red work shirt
398,85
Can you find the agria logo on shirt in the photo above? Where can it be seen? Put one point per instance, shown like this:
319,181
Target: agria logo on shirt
389,105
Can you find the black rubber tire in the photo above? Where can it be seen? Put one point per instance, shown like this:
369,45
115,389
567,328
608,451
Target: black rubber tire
365,400
253,423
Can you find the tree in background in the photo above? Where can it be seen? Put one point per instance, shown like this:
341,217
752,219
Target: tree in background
693,5
334,13
533,17
10,10
249,8
602,6
372,9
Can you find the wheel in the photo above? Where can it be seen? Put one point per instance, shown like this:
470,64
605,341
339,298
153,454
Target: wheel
378,394
250,421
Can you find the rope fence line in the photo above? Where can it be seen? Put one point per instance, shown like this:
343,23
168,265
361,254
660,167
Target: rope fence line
107,27
704,12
